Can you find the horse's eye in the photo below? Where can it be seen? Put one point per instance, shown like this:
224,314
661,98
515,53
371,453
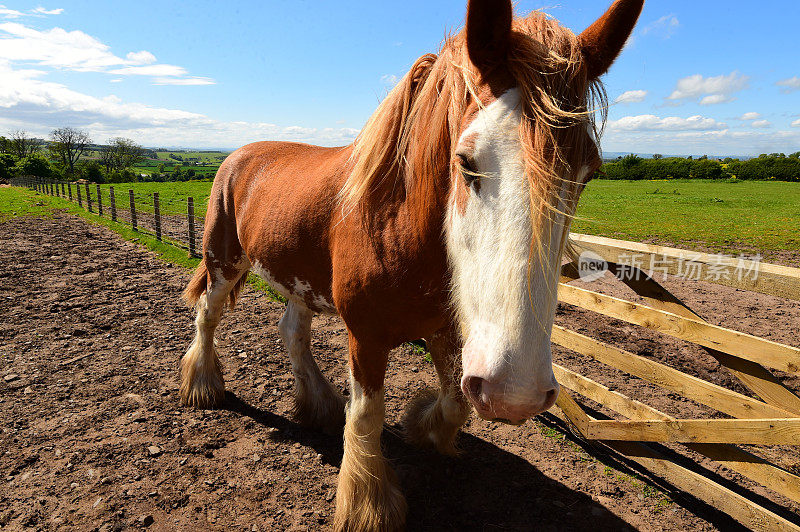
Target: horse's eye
468,169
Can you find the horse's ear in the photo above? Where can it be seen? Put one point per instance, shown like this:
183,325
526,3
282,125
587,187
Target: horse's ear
488,31
602,42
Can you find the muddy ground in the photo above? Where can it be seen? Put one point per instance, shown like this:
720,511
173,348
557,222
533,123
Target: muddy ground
93,437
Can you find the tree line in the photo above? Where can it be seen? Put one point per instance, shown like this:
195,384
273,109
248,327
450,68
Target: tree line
774,166
65,155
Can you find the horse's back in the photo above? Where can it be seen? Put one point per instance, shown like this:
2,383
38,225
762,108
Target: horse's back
276,200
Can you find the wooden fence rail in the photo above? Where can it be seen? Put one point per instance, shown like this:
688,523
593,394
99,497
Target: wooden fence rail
774,419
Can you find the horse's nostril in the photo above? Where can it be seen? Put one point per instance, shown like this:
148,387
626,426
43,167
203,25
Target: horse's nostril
550,398
474,386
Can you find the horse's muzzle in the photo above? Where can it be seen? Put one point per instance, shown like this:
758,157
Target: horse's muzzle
492,402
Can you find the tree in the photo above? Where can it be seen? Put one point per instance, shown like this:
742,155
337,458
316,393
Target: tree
657,156
68,144
107,158
7,163
90,171
126,152
22,145
35,164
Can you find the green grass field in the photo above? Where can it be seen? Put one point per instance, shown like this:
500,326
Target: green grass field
202,156
729,217
150,167
172,195
14,203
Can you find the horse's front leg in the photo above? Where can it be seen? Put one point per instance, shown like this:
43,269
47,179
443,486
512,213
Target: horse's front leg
434,418
368,497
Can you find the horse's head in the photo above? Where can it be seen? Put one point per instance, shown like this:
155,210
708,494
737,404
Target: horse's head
525,148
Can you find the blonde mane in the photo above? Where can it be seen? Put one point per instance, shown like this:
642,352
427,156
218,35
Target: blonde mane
407,144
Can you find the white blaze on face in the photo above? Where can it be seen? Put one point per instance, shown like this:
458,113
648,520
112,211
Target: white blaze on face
506,328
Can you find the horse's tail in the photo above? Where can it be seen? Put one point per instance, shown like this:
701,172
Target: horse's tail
197,286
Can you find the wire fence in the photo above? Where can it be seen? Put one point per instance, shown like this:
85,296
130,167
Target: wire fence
169,220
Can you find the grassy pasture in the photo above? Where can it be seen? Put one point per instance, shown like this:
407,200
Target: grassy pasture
729,217
215,157
151,167
172,195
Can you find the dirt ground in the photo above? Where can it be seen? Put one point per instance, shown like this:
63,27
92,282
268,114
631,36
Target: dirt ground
93,437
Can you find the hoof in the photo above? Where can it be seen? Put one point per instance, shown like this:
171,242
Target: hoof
201,387
433,422
321,408
377,506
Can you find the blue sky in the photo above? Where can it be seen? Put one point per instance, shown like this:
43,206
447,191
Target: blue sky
697,77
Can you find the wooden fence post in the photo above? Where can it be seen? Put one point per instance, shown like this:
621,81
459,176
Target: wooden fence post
69,190
190,213
63,192
157,214
133,210
88,197
78,188
113,203
99,200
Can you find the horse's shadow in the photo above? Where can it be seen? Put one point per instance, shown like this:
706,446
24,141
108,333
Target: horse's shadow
485,488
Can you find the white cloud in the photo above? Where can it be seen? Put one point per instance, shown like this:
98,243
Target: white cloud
750,116
665,27
761,124
8,13
796,123
716,142
389,80
714,99
670,123
141,58
710,91
38,106
789,85
635,96
80,52
42,11
149,70
184,81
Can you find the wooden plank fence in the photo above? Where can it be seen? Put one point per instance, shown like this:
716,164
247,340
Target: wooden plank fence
772,417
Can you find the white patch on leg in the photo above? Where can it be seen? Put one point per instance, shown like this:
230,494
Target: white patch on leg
323,305
368,496
317,404
301,288
301,291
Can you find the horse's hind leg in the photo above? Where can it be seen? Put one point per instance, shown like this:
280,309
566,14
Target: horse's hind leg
434,418
202,385
316,403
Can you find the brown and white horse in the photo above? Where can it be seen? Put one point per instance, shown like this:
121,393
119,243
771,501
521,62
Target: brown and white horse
445,220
